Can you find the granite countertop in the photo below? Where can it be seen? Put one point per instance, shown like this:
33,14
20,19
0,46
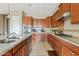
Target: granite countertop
72,40
5,47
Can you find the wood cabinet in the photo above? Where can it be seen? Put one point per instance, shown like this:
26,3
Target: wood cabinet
57,20
62,47
28,21
43,23
73,8
48,21
19,52
55,44
9,53
53,22
74,13
37,23
58,47
50,40
68,52
66,7
22,49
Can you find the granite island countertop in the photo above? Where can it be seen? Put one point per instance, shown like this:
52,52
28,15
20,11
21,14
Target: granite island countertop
5,47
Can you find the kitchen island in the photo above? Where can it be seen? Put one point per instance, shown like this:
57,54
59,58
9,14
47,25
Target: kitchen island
20,47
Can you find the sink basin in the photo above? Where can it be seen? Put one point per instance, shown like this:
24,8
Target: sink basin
64,35
13,38
9,41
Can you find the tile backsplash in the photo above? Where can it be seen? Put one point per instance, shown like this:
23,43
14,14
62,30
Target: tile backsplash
71,29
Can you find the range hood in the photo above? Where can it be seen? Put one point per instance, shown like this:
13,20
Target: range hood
64,16
60,18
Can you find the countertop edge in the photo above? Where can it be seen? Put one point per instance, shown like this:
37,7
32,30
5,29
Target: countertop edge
64,39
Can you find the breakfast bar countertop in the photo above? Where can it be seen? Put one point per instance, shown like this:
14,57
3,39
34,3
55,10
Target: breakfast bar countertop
5,47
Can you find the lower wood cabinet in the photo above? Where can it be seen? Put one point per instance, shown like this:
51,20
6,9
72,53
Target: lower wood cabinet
58,48
68,52
9,53
18,53
61,47
22,49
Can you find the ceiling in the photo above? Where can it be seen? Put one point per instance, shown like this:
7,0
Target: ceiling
37,10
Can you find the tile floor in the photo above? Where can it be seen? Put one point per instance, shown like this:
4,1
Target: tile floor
39,48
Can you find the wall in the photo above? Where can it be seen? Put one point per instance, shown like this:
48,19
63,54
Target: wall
71,29
16,22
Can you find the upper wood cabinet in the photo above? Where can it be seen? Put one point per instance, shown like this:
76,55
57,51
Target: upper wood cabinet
27,20
66,7
57,21
44,23
53,21
75,13
37,22
48,21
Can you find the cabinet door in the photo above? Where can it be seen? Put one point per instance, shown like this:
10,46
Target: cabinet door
49,18
66,7
27,20
35,23
9,53
53,22
39,22
50,40
75,13
58,48
68,52
19,52
24,50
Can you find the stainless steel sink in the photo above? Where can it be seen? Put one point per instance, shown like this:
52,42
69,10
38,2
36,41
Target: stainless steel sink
13,38
9,41
64,35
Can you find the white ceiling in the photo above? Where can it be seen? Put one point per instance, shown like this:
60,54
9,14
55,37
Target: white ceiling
37,10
